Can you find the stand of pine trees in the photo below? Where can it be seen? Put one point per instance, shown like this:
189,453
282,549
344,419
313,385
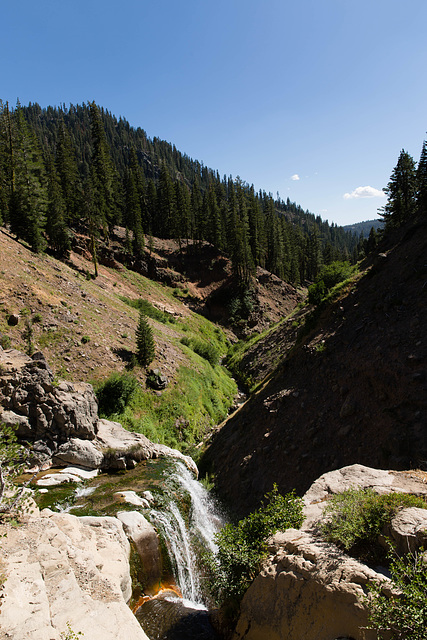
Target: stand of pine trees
78,168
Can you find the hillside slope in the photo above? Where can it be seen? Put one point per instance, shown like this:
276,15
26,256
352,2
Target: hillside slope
354,391
86,327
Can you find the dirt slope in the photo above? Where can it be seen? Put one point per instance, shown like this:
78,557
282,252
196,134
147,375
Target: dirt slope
84,328
354,392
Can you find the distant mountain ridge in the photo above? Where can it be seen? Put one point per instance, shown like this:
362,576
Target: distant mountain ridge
363,228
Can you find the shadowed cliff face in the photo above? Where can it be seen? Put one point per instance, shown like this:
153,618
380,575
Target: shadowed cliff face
355,391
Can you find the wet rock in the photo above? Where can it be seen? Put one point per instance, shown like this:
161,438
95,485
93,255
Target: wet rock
146,541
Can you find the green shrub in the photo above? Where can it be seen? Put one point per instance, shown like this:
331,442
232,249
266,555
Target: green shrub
13,458
85,339
115,393
359,515
329,276
149,310
5,341
403,615
205,350
243,547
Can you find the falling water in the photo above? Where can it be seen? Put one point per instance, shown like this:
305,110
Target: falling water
180,533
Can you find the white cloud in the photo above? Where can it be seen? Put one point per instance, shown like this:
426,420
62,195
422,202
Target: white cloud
364,192
295,177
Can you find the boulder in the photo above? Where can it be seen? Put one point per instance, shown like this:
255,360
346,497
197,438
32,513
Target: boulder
408,530
156,379
122,446
308,590
146,541
131,497
66,570
84,453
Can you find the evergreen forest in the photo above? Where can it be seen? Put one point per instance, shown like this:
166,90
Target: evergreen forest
80,169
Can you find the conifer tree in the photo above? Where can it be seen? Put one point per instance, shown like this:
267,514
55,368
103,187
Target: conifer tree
134,202
401,191
28,198
67,172
167,205
56,228
101,174
145,347
421,197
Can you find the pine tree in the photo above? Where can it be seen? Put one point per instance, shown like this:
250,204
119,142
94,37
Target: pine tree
101,174
67,172
56,228
422,182
28,197
401,191
145,348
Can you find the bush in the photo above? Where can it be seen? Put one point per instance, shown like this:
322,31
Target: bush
329,276
115,393
243,547
404,613
359,515
13,458
149,310
4,341
205,350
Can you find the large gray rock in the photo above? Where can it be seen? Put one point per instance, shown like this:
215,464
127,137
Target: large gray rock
85,453
124,446
62,569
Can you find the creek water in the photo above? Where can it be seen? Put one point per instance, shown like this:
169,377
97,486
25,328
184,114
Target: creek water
187,521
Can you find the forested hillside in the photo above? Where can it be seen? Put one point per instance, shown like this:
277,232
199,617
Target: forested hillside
79,168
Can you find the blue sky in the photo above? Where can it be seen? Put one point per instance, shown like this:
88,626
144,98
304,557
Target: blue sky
313,99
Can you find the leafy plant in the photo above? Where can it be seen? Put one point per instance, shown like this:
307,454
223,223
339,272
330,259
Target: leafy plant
403,613
13,458
115,393
329,276
359,515
5,341
206,350
70,634
243,547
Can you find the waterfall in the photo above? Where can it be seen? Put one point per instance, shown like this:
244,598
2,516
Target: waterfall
183,531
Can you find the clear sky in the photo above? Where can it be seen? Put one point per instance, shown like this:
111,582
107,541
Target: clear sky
313,99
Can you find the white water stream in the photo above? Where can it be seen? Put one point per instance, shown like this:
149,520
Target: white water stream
181,533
